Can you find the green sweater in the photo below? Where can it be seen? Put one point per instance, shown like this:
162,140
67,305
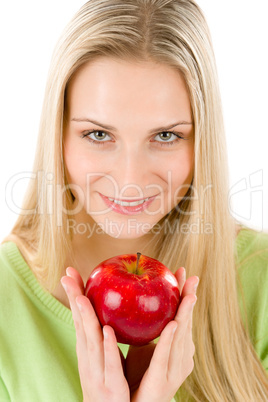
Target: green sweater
37,337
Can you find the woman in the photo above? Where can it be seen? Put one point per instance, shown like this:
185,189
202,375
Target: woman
146,68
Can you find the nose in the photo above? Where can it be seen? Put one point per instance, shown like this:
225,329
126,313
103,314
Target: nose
131,170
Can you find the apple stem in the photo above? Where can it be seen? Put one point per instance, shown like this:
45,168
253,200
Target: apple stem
138,259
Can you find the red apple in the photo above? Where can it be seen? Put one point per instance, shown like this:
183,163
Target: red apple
136,295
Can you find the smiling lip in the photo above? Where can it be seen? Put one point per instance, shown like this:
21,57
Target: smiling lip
127,207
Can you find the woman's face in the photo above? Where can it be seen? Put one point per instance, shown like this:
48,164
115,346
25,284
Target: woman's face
128,143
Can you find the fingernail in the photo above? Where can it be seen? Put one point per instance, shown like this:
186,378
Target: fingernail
67,272
105,334
193,302
80,307
196,284
184,275
65,287
174,330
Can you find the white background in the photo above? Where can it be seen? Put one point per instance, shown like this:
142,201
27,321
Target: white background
28,33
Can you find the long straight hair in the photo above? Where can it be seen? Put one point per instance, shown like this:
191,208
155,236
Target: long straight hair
199,233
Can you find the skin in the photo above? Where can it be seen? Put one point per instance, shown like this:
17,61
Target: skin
134,99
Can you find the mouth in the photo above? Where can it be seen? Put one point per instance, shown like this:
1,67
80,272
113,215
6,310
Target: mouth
129,203
127,206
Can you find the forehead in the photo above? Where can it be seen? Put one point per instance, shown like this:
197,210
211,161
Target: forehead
126,84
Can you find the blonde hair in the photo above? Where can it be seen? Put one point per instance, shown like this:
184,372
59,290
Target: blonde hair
172,32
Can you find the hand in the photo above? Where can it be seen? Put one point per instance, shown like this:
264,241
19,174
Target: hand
99,360
155,372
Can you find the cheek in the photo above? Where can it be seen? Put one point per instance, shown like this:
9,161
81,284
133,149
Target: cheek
181,173
82,167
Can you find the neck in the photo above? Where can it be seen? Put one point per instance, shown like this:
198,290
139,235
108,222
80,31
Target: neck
94,246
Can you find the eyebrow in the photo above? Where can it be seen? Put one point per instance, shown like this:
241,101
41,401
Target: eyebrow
163,128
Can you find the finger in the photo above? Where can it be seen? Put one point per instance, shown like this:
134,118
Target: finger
94,339
160,359
183,319
183,344
189,328
189,347
185,309
190,286
73,290
180,275
73,273
113,371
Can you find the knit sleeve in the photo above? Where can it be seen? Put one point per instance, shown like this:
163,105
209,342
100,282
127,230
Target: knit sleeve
253,290
4,396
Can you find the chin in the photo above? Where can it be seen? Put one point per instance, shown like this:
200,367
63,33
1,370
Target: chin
129,229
